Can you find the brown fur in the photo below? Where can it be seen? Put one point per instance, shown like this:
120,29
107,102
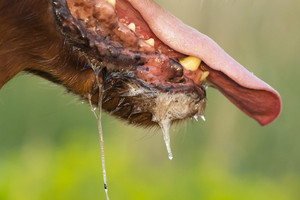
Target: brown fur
30,41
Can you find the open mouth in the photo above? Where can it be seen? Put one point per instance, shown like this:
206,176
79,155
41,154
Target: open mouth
142,78
154,69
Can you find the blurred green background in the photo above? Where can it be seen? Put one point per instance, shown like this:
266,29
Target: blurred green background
49,146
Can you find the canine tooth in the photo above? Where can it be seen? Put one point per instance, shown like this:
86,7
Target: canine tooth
150,42
190,63
204,76
112,2
131,26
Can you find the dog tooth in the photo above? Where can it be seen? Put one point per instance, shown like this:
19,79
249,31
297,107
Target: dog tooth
204,76
112,2
150,42
190,63
131,26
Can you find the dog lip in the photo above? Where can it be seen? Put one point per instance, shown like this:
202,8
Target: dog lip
114,46
189,41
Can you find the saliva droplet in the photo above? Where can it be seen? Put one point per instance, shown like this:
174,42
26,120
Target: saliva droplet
165,126
93,109
196,117
203,118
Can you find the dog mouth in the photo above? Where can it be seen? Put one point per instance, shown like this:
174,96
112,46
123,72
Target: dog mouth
142,78
149,73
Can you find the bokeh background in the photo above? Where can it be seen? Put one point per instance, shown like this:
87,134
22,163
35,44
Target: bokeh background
49,146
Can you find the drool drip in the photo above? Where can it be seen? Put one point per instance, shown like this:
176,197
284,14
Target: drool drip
100,130
102,140
165,126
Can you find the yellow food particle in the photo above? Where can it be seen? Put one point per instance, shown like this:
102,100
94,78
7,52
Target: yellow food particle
131,26
112,2
204,76
190,63
150,42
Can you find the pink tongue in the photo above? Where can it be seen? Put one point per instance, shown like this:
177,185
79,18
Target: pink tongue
252,95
